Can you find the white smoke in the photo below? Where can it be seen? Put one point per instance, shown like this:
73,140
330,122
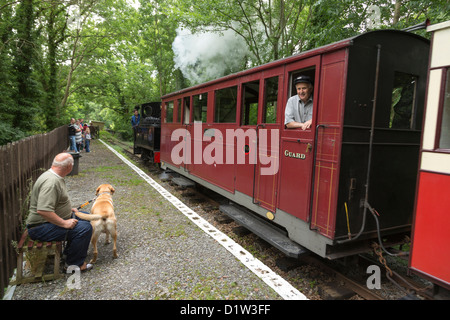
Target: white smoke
205,56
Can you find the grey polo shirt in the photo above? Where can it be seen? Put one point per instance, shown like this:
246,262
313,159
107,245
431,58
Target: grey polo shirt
298,111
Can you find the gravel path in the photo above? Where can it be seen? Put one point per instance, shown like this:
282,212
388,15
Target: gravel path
162,254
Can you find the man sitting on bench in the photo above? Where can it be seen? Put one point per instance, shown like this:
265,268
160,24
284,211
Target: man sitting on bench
51,211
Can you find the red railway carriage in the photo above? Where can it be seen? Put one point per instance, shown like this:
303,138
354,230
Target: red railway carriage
310,190
430,255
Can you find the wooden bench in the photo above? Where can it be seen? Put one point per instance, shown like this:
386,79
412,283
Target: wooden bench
42,248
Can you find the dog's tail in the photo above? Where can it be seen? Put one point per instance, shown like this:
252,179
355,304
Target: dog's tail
88,217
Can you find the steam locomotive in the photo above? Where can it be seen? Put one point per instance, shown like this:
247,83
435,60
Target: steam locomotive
147,135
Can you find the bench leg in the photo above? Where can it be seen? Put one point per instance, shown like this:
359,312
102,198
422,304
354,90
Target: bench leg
41,260
19,273
57,248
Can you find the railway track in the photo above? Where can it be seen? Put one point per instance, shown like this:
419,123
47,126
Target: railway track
317,278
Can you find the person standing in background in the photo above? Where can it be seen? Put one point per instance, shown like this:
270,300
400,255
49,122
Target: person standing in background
72,133
135,119
78,136
87,139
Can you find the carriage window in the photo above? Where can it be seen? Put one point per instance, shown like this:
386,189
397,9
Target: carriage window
200,106
169,112
187,110
225,106
179,111
250,103
403,100
270,100
444,141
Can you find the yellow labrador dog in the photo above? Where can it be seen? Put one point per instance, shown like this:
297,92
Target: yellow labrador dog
102,218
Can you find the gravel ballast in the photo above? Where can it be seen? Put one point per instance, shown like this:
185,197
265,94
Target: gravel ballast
162,254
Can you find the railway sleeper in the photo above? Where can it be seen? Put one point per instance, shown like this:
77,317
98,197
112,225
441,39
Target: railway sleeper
335,291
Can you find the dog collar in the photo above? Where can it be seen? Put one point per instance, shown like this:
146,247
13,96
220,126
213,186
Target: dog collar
102,193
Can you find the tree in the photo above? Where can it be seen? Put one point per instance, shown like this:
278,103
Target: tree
271,29
54,21
7,131
277,29
117,73
334,20
25,91
157,30
80,49
101,58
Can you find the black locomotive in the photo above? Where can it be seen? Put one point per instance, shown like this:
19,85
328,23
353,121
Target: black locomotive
147,138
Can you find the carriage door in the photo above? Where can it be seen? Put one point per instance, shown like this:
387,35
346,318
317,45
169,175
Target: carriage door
268,139
297,147
186,116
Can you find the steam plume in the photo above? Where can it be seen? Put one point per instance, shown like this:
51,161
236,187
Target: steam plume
206,56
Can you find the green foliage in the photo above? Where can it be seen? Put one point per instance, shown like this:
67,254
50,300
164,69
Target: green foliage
25,89
9,133
98,59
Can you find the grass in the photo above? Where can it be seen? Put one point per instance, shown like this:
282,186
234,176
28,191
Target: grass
110,173
175,231
206,288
